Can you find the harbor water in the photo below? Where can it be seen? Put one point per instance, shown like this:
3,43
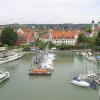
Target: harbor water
21,86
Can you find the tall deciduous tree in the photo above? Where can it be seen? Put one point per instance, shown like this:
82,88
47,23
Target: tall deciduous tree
98,39
8,36
81,39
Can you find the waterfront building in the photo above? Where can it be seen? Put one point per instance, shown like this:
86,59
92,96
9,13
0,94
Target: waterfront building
25,36
62,37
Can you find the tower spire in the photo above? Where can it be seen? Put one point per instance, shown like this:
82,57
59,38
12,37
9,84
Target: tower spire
93,27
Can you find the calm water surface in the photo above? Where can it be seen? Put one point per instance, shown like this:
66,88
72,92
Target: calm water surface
21,86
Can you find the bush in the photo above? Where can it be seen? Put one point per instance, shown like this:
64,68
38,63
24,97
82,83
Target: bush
26,48
69,47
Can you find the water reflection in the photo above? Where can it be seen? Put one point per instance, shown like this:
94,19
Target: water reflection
11,66
64,57
39,77
98,66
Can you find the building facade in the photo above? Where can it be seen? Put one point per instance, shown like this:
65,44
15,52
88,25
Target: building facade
25,36
62,37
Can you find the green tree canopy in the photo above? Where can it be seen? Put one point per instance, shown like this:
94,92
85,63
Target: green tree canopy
8,36
90,40
81,39
40,44
51,44
98,39
88,30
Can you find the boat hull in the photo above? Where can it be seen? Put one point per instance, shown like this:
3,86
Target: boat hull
39,72
10,60
81,84
30,73
5,78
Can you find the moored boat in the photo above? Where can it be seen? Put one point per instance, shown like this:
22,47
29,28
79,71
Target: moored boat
91,58
79,82
53,49
37,71
83,53
10,57
4,76
88,76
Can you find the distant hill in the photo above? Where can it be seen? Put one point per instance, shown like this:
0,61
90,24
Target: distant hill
40,26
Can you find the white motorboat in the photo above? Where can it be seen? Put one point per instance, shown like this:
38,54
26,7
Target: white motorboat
33,49
9,58
53,49
77,53
89,53
79,82
4,76
83,53
91,58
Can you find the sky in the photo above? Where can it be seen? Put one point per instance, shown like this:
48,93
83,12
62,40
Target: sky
49,11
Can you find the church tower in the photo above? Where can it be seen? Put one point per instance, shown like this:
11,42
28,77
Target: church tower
93,27
50,35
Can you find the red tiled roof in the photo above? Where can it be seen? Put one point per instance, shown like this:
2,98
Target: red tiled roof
60,35
45,36
26,34
97,28
64,34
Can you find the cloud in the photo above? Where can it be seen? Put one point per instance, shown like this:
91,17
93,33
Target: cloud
48,11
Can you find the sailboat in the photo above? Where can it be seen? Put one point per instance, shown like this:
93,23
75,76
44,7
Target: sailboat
44,62
36,69
85,79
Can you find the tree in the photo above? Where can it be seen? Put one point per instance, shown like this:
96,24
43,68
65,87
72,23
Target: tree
98,39
90,40
51,44
8,36
81,39
88,30
40,44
